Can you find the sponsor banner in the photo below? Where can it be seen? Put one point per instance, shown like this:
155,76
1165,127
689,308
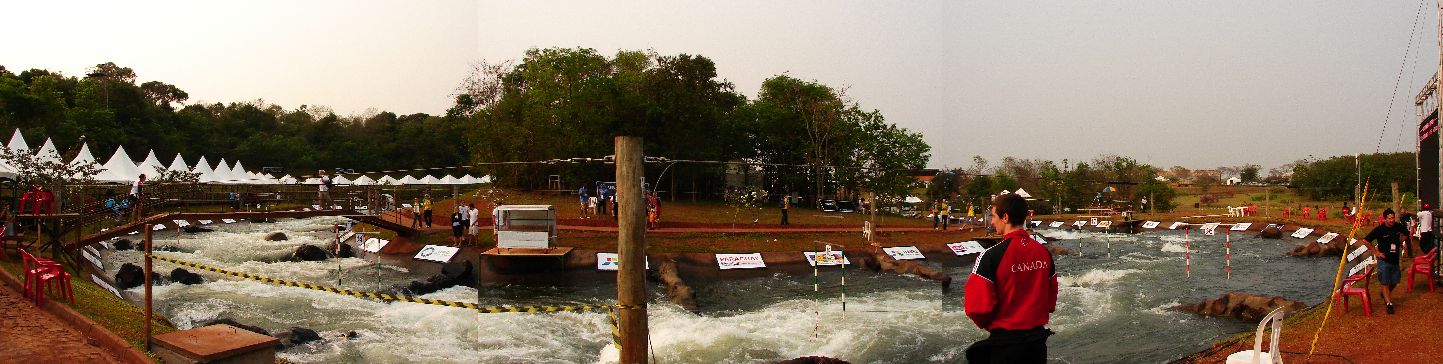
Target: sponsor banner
1036,223
1092,221
348,235
437,253
228,221
740,261
1039,239
1056,224
1327,238
966,247
825,258
315,207
1357,252
1302,233
157,227
106,286
1176,225
406,205
1150,224
181,223
1104,224
1361,266
374,245
205,222
610,262
1080,223
904,252
1210,228
1242,226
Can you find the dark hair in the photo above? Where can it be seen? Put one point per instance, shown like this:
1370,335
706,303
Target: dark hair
1387,212
1012,205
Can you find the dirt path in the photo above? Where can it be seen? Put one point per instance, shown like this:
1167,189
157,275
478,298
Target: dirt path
29,335
1412,335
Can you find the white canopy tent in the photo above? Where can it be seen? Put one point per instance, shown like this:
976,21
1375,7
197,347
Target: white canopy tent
150,166
912,199
120,168
17,143
387,180
83,157
48,153
243,176
448,180
467,179
202,166
364,181
484,179
408,180
178,165
287,179
1023,193
429,180
340,180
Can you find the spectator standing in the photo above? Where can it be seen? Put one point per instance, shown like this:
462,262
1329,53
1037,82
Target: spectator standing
323,194
786,207
1012,291
136,191
475,218
1386,240
426,210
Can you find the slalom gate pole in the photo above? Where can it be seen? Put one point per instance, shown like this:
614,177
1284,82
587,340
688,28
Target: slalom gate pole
817,297
1228,244
1187,249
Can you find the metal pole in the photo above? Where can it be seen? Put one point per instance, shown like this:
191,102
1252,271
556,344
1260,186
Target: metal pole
149,312
631,249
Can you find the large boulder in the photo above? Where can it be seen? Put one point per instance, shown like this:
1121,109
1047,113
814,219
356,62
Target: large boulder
677,291
454,273
1059,250
310,253
131,275
1313,249
1243,306
1272,232
346,251
295,336
277,236
192,229
878,260
228,321
124,244
182,276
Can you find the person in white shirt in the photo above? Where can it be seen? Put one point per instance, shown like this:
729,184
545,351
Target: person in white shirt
1425,229
323,193
475,221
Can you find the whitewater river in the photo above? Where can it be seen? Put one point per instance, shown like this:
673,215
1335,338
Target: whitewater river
1112,309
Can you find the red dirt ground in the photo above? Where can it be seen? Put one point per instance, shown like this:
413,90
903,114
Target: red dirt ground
29,335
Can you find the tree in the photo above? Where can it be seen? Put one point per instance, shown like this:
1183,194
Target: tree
163,94
1249,173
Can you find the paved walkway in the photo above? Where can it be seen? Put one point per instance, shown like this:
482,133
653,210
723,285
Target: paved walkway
30,335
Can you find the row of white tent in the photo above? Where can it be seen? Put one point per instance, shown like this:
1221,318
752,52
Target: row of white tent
120,168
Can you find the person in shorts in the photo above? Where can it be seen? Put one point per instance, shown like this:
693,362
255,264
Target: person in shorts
475,221
1386,241
456,226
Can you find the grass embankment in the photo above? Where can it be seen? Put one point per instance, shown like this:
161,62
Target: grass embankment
117,316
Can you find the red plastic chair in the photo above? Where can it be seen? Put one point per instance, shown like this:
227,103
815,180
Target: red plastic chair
44,275
1422,265
1349,289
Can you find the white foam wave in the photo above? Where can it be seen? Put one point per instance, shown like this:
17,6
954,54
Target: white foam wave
1095,277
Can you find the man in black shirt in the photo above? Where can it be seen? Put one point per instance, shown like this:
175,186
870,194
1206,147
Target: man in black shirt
1386,241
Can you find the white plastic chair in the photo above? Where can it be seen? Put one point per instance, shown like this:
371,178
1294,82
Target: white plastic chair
1255,356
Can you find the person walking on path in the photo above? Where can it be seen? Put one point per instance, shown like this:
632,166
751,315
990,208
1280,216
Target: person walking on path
1012,291
1386,240
323,193
456,227
416,213
786,207
426,210
1427,239
475,222
135,194
946,212
465,219
936,214
581,194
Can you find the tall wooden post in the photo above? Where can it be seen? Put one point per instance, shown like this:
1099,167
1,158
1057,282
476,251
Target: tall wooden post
148,310
631,249
1267,200
1397,203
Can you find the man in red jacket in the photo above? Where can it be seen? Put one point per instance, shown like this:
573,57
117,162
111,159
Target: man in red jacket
1012,291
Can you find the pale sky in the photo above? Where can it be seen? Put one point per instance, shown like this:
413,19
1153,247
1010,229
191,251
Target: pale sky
1198,84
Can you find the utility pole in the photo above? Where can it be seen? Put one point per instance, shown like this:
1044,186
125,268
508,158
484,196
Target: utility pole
149,311
631,249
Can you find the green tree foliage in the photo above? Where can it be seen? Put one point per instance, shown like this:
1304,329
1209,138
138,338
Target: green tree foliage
109,109
1335,178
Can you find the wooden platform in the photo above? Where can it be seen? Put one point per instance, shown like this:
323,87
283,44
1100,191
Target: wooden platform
215,344
528,252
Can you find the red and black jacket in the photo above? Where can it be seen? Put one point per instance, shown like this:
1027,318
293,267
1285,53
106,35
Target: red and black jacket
1013,285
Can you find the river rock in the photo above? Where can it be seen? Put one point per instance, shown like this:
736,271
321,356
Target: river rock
310,253
228,321
295,336
182,276
277,236
1313,249
131,275
452,274
1272,232
346,251
124,244
877,260
677,291
1243,306
1058,250
192,229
